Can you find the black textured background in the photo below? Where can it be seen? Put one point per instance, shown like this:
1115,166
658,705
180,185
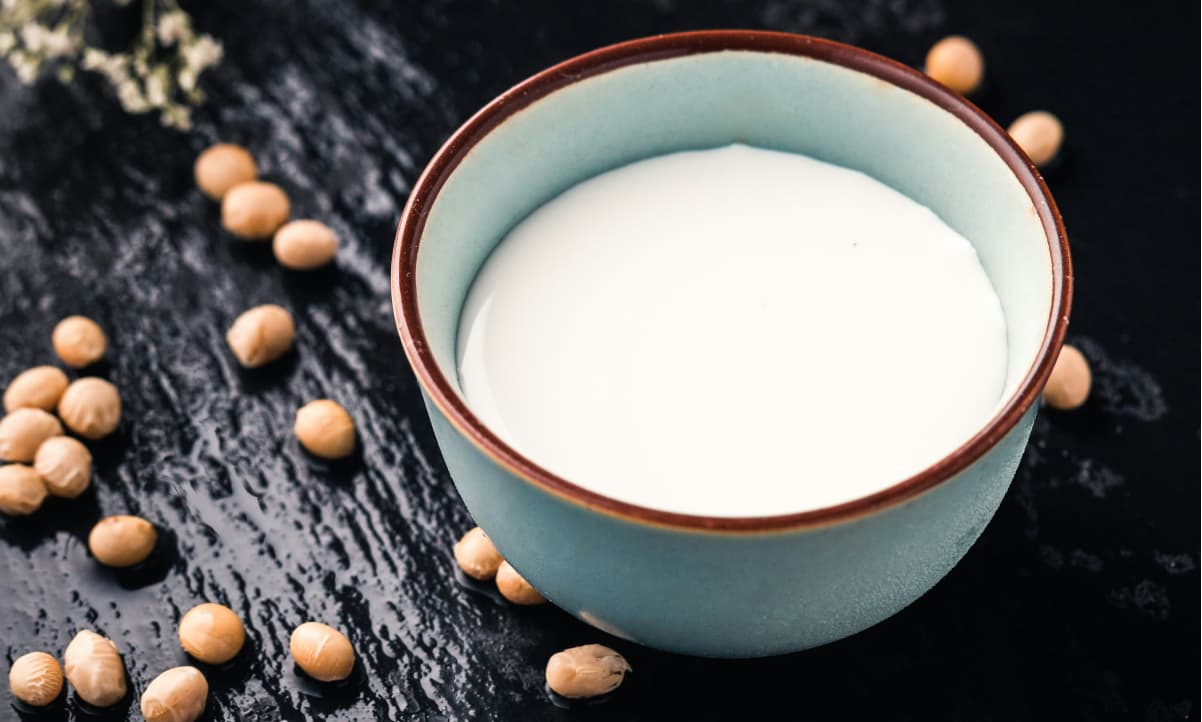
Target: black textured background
1081,601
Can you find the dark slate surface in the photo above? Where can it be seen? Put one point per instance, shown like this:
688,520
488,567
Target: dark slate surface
1081,601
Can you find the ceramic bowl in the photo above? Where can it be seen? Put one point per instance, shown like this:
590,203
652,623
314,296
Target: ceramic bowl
723,586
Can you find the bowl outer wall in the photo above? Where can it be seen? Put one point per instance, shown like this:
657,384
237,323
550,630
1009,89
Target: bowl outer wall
769,588
729,595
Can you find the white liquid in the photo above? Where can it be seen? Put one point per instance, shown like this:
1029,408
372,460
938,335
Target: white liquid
733,332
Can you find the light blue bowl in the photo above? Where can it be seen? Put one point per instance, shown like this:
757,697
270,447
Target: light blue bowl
730,587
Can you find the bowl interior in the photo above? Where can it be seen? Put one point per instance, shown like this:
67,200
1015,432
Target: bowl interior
766,99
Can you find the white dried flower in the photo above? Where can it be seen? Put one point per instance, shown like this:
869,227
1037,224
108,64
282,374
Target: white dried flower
132,99
33,37
113,67
25,65
156,88
94,59
179,116
187,79
58,43
204,52
159,71
173,26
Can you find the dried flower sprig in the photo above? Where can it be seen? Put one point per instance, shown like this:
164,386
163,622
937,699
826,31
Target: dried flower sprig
158,72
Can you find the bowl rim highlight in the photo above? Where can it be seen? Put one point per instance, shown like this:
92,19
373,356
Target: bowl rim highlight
662,47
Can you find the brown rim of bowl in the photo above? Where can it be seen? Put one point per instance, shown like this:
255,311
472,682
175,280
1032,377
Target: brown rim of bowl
660,47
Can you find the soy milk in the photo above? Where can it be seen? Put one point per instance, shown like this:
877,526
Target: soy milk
733,332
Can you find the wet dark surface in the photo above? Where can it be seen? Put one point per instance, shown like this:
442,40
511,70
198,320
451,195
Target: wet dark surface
1081,601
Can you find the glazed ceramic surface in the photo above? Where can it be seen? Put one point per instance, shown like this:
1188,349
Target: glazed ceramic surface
721,586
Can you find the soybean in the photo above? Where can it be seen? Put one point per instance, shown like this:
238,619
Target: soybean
956,62
65,465
254,210
38,388
122,540
36,679
325,429
22,491
476,555
79,341
1068,386
322,652
304,245
177,695
588,671
1039,134
94,668
261,335
211,633
223,166
515,588
91,407
23,431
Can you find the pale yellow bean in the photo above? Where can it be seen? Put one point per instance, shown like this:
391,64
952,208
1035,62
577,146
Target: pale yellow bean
325,429
1039,134
91,407
94,669
1070,382
211,633
956,62
322,652
177,695
23,431
36,679
223,166
122,540
79,341
304,245
261,335
254,210
476,555
22,490
588,671
37,388
515,588
65,465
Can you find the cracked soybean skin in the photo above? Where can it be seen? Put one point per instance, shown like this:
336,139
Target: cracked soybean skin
261,335
177,695
36,679
324,653
94,669
587,671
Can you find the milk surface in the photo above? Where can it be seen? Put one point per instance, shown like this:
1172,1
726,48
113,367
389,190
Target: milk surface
733,332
